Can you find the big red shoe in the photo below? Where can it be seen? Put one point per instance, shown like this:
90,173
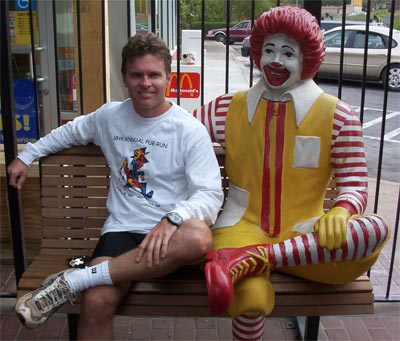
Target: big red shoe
227,266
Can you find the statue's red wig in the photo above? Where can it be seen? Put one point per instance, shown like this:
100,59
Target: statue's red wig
297,24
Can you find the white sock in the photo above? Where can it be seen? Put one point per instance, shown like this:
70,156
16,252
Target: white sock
83,279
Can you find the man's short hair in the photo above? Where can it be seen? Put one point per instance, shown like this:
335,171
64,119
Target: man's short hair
297,24
142,44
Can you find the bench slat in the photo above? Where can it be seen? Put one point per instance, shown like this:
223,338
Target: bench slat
53,170
74,212
61,244
74,202
49,223
84,181
78,160
80,233
74,191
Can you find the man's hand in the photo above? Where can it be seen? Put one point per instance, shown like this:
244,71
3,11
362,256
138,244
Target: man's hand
332,228
154,246
18,171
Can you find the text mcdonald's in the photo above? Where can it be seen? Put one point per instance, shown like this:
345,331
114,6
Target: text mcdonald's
189,85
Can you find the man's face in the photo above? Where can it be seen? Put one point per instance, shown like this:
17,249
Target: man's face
146,81
281,61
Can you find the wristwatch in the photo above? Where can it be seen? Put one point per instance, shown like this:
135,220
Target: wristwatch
174,218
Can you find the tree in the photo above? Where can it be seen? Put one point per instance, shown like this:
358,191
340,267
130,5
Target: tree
215,10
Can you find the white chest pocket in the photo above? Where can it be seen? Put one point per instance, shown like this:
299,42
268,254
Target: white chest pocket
306,151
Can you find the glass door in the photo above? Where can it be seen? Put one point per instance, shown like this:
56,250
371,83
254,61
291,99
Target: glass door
67,58
43,64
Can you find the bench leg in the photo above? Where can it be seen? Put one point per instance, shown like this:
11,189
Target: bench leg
309,327
73,320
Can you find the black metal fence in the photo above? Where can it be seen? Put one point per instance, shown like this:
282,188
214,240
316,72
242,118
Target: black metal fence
391,270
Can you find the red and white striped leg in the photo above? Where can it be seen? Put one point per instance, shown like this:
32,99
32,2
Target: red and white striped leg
364,236
249,326
227,266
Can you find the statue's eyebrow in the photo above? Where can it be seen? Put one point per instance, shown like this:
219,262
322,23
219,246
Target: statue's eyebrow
283,46
288,46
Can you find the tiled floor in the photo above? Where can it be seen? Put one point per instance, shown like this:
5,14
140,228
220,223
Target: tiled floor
383,325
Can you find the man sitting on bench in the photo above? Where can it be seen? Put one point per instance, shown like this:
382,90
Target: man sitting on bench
165,191
283,139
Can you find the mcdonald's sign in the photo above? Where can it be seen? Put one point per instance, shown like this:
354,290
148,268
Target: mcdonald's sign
189,85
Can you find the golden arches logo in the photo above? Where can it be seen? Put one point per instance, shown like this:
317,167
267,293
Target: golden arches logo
192,88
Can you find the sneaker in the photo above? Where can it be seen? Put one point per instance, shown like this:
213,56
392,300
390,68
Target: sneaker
34,308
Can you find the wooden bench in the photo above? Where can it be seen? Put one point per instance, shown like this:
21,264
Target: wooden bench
74,186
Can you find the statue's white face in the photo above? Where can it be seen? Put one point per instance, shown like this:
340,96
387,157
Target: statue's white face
281,61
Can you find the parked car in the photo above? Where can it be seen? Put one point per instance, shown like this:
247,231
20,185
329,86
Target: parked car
325,26
329,24
236,33
354,41
245,50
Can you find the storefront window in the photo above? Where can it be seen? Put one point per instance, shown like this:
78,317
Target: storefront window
66,58
22,60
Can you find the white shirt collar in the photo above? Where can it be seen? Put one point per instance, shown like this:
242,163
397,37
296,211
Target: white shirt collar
303,97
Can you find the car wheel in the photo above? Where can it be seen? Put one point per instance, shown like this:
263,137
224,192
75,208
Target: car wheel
220,37
393,83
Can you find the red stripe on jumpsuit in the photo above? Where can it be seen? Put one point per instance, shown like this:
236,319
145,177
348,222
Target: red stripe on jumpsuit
273,227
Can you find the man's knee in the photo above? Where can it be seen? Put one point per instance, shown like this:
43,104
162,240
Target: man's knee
103,300
198,238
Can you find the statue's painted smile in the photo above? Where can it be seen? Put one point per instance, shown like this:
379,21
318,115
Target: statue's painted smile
276,74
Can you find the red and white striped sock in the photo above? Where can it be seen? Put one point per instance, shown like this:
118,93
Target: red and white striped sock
249,326
364,236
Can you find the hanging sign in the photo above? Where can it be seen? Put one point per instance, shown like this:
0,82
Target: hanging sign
23,5
25,112
20,27
189,85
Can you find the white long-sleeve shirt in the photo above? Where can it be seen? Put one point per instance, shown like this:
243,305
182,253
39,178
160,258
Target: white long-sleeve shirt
158,165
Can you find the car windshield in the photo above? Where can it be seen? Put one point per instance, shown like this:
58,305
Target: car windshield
240,25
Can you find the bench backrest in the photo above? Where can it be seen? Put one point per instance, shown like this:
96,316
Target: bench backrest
74,189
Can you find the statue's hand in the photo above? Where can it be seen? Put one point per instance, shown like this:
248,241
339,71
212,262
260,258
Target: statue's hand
332,228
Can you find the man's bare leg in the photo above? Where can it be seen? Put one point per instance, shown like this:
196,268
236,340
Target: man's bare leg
188,245
163,250
103,300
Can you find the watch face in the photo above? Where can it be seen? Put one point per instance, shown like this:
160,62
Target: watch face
174,218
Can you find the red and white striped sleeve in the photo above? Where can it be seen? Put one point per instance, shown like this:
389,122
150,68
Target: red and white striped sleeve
213,116
348,159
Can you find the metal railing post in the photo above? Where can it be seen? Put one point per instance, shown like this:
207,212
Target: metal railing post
10,144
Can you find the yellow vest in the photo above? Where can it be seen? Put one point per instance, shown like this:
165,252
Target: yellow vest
260,158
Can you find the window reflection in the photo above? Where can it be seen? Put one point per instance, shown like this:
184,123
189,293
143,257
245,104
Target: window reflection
66,60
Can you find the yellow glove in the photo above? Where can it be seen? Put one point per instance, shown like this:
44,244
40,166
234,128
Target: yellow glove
332,228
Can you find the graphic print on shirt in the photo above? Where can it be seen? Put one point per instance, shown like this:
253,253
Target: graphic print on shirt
133,176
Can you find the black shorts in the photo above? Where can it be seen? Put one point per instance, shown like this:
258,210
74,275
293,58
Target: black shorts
113,244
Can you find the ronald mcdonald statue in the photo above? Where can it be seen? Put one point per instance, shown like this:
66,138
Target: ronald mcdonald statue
284,138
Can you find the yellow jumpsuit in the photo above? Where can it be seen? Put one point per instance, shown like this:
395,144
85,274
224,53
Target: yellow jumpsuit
261,158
